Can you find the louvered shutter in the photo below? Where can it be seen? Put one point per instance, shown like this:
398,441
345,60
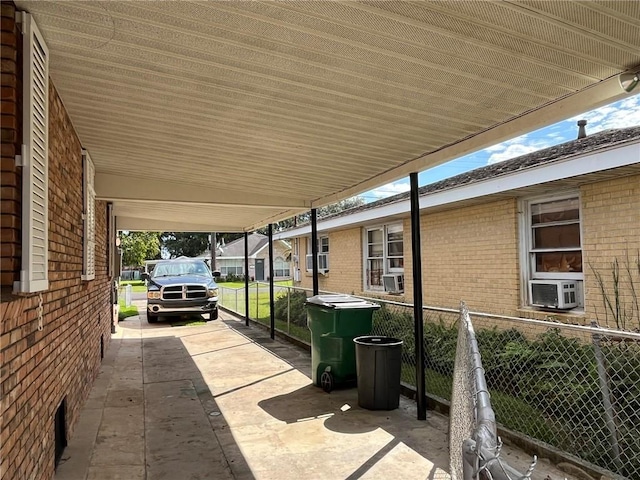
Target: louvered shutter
89,256
111,239
34,274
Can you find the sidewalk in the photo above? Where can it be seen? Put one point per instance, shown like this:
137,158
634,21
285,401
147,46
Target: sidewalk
223,400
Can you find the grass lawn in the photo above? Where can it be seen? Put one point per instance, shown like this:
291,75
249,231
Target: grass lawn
259,310
136,285
282,283
125,312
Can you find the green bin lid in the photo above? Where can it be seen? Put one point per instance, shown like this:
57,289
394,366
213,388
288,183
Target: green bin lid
340,301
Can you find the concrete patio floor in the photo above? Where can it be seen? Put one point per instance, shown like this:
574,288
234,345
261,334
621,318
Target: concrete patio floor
223,400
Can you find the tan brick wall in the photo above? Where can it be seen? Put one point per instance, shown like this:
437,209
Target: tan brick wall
40,368
10,187
611,229
471,254
345,263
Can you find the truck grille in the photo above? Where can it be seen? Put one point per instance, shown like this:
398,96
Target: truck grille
183,292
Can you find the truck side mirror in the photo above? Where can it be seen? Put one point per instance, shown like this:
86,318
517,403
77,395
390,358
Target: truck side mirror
216,274
144,276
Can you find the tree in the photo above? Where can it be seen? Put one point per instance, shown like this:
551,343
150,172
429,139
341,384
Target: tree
325,211
338,207
139,246
188,244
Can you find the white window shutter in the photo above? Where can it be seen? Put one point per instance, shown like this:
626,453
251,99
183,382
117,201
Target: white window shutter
111,239
34,274
89,254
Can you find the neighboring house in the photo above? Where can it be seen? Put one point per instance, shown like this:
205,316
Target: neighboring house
498,237
58,263
230,258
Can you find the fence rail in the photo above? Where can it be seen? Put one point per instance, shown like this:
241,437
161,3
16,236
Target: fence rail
575,388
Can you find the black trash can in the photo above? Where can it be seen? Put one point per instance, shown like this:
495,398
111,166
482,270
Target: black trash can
378,367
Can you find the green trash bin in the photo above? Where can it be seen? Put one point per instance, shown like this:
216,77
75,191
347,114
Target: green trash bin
334,321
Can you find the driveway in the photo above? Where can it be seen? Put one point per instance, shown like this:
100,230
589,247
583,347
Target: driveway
223,400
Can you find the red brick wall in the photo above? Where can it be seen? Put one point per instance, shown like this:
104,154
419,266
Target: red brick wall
39,368
9,175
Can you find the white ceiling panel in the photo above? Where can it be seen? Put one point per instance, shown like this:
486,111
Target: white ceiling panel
244,113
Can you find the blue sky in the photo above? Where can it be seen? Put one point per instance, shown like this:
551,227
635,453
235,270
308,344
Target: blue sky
621,114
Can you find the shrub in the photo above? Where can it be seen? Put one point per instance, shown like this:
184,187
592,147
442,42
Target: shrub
295,300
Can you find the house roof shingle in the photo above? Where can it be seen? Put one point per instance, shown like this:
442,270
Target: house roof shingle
589,144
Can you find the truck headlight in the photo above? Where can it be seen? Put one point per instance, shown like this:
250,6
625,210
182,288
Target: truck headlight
153,295
212,292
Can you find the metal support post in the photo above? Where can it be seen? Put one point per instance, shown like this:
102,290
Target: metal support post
272,308
314,249
417,298
246,278
288,310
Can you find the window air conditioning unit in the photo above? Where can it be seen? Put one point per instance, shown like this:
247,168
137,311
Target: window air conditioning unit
323,262
393,283
560,294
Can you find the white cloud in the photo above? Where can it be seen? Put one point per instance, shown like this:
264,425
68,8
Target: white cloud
511,151
504,145
388,190
622,114
519,146
625,113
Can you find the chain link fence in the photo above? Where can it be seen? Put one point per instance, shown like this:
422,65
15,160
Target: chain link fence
575,388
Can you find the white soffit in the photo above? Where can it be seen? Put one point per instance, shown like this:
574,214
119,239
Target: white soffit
279,106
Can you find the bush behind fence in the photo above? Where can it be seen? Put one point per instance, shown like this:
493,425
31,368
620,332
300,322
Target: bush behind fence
574,389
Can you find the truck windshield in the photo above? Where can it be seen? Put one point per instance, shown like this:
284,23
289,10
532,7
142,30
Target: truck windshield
180,268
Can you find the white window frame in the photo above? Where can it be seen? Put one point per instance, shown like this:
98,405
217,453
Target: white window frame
89,218
386,269
232,266
284,267
34,159
323,253
527,252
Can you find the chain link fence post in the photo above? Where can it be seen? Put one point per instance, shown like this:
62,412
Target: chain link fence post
606,400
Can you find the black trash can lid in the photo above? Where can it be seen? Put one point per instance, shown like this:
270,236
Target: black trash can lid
340,301
378,340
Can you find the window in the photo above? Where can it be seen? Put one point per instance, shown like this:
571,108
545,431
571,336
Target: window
231,266
323,254
89,218
281,268
553,240
555,247
34,273
384,253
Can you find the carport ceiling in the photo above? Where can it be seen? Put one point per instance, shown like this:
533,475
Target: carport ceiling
230,115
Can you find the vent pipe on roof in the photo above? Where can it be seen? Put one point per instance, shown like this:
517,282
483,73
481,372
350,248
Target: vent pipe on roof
582,131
